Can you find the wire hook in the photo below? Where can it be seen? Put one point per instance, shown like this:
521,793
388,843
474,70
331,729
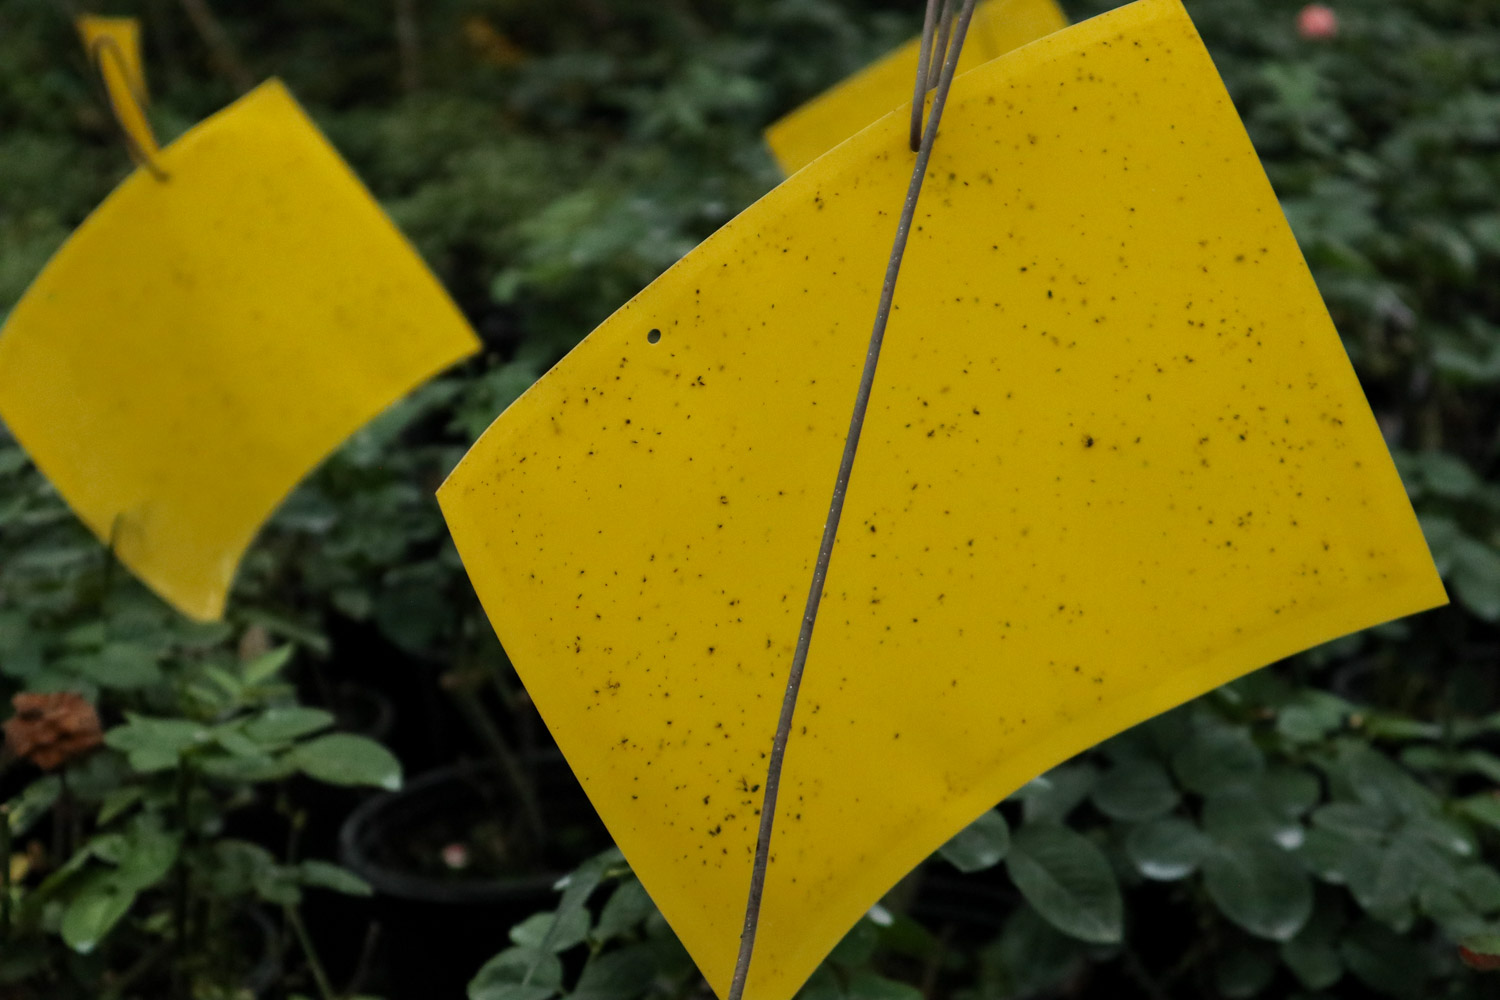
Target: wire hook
937,32
143,157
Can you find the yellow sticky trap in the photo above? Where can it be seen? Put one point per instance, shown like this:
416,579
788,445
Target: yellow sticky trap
1115,457
199,344
997,27
114,47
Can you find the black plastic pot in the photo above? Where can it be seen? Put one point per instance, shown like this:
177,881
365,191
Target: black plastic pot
437,928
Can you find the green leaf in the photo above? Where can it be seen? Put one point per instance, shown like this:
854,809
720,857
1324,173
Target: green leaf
33,803
1483,808
1291,791
1259,887
120,665
628,907
554,932
1051,797
1068,881
118,801
1216,756
980,845
1316,964
279,884
1167,849
1339,859
95,908
1136,790
1378,781
823,984
1387,962
228,868
276,726
266,666
616,975
345,759
1240,973
147,855
1476,577
866,984
156,744
1243,811
1035,958
325,875
857,946
501,978
1479,885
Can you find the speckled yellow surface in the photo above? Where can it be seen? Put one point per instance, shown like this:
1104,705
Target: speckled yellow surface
828,119
199,344
1115,456
114,44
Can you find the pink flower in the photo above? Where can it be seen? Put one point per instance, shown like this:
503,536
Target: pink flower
1317,21
456,856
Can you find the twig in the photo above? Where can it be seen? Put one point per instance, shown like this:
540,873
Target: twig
366,958
219,44
835,511
510,762
320,975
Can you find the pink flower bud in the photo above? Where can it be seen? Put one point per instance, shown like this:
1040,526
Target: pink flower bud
1317,21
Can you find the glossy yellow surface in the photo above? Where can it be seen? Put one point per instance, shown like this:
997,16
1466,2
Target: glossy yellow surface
1115,456
998,26
114,45
198,345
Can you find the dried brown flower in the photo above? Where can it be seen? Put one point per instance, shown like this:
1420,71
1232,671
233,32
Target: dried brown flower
52,729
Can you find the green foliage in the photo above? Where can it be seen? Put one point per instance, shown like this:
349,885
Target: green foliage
143,857
557,158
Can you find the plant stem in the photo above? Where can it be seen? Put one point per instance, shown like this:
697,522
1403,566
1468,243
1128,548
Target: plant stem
320,975
181,896
836,509
219,44
508,759
408,45
5,849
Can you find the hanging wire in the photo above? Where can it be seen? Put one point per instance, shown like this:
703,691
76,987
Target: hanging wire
107,45
846,467
935,35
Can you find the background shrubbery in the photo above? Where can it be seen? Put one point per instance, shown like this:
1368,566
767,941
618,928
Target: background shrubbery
1329,826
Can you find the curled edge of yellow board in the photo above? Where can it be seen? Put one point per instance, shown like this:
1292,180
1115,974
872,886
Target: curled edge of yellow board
199,344
806,133
114,48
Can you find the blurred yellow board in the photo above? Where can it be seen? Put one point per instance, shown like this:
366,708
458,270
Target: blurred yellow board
114,46
1115,457
997,27
200,343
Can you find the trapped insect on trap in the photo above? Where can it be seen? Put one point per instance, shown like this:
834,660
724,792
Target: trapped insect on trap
1114,456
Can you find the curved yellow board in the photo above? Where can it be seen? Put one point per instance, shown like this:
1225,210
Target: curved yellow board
114,46
199,344
997,27
1115,457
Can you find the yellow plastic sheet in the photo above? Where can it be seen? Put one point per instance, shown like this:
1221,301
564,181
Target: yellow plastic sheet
997,27
200,343
114,46
1115,457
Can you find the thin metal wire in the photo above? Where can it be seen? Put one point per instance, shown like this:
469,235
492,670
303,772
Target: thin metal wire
924,61
944,32
836,510
104,44
936,32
